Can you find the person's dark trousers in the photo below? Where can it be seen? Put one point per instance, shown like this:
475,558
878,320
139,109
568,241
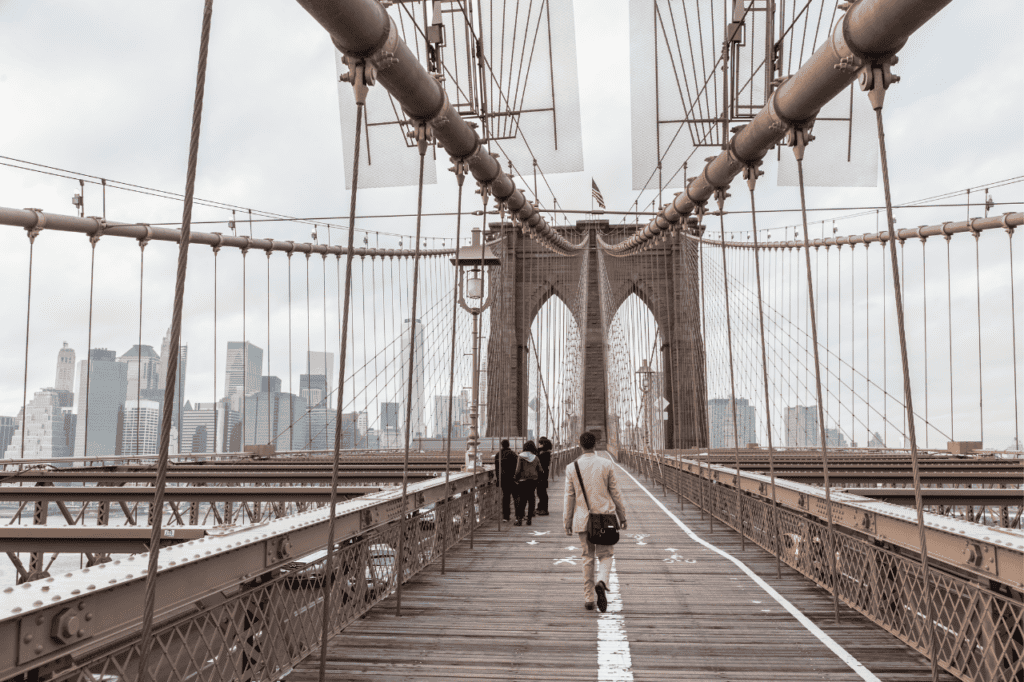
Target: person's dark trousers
525,500
507,493
542,496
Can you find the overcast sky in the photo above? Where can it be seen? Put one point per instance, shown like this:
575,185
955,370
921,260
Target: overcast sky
106,88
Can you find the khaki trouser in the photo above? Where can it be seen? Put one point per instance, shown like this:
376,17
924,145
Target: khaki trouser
603,554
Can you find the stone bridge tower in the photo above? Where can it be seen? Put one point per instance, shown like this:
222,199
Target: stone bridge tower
666,278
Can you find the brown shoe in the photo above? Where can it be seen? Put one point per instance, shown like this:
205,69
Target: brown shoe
589,606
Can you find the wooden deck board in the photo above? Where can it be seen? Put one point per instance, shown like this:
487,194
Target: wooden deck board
509,610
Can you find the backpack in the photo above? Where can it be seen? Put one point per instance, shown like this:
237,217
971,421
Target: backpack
528,471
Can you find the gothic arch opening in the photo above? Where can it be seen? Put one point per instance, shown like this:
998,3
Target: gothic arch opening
637,405
554,371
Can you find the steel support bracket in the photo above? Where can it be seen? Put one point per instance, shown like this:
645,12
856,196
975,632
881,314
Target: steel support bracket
278,549
42,633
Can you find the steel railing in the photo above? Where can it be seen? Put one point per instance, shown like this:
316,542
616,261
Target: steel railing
980,622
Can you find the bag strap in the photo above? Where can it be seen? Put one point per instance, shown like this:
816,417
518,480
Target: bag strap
582,487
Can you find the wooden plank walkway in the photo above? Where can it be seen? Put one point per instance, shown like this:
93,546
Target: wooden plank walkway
511,608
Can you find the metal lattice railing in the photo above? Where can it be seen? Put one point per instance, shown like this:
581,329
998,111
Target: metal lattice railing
274,622
980,627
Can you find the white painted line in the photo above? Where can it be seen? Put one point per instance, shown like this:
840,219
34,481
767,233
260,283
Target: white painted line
834,646
614,662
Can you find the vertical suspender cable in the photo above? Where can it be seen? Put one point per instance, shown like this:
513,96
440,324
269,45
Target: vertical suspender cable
949,328
138,357
149,603
877,95
800,140
1013,327
309,382
216,250
977,286
269,411
460,177
245,349
720,195
707,444
422,133
291,392
752,173
93,239
32,234
359,87
924,331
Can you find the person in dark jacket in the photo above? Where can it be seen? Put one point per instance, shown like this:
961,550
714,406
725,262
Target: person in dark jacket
505,468
528,472
544,454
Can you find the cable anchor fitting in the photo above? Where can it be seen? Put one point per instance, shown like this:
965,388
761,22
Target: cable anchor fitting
422,133
798,139
751,172
361,74
876,78
721,194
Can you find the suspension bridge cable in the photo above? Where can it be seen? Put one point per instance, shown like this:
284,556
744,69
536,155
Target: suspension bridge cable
422,133
160,484
751,174
799,136
878,84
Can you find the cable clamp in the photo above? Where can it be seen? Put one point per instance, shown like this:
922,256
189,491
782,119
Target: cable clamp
751,172
143,241
33,232
101,224
220,242
248,245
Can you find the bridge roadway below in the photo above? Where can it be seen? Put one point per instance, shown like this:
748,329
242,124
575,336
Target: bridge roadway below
511,608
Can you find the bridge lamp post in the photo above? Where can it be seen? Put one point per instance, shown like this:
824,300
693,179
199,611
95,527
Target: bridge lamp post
643,382
471,264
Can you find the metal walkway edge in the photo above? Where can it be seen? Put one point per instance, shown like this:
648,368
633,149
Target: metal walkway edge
511,608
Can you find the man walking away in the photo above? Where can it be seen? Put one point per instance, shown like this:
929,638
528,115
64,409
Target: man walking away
505,468
544,454
528,471
603,493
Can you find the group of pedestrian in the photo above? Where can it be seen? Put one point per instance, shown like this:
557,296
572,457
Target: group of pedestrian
593,508
523,479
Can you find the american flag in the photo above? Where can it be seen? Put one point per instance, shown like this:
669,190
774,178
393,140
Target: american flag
596,193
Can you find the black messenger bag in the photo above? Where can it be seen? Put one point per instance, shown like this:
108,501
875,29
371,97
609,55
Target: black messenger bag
602,529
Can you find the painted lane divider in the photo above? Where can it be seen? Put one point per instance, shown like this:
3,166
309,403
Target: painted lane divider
614,661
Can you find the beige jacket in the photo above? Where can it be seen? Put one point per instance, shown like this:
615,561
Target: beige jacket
602,491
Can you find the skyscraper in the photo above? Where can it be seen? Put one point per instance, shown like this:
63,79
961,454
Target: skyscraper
391,436
389,416
141,427
8,425
416,417
243,372
101,395
179,385
321,363
277,418
143,357
207,428
802,426
65,380
723,435
49,425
